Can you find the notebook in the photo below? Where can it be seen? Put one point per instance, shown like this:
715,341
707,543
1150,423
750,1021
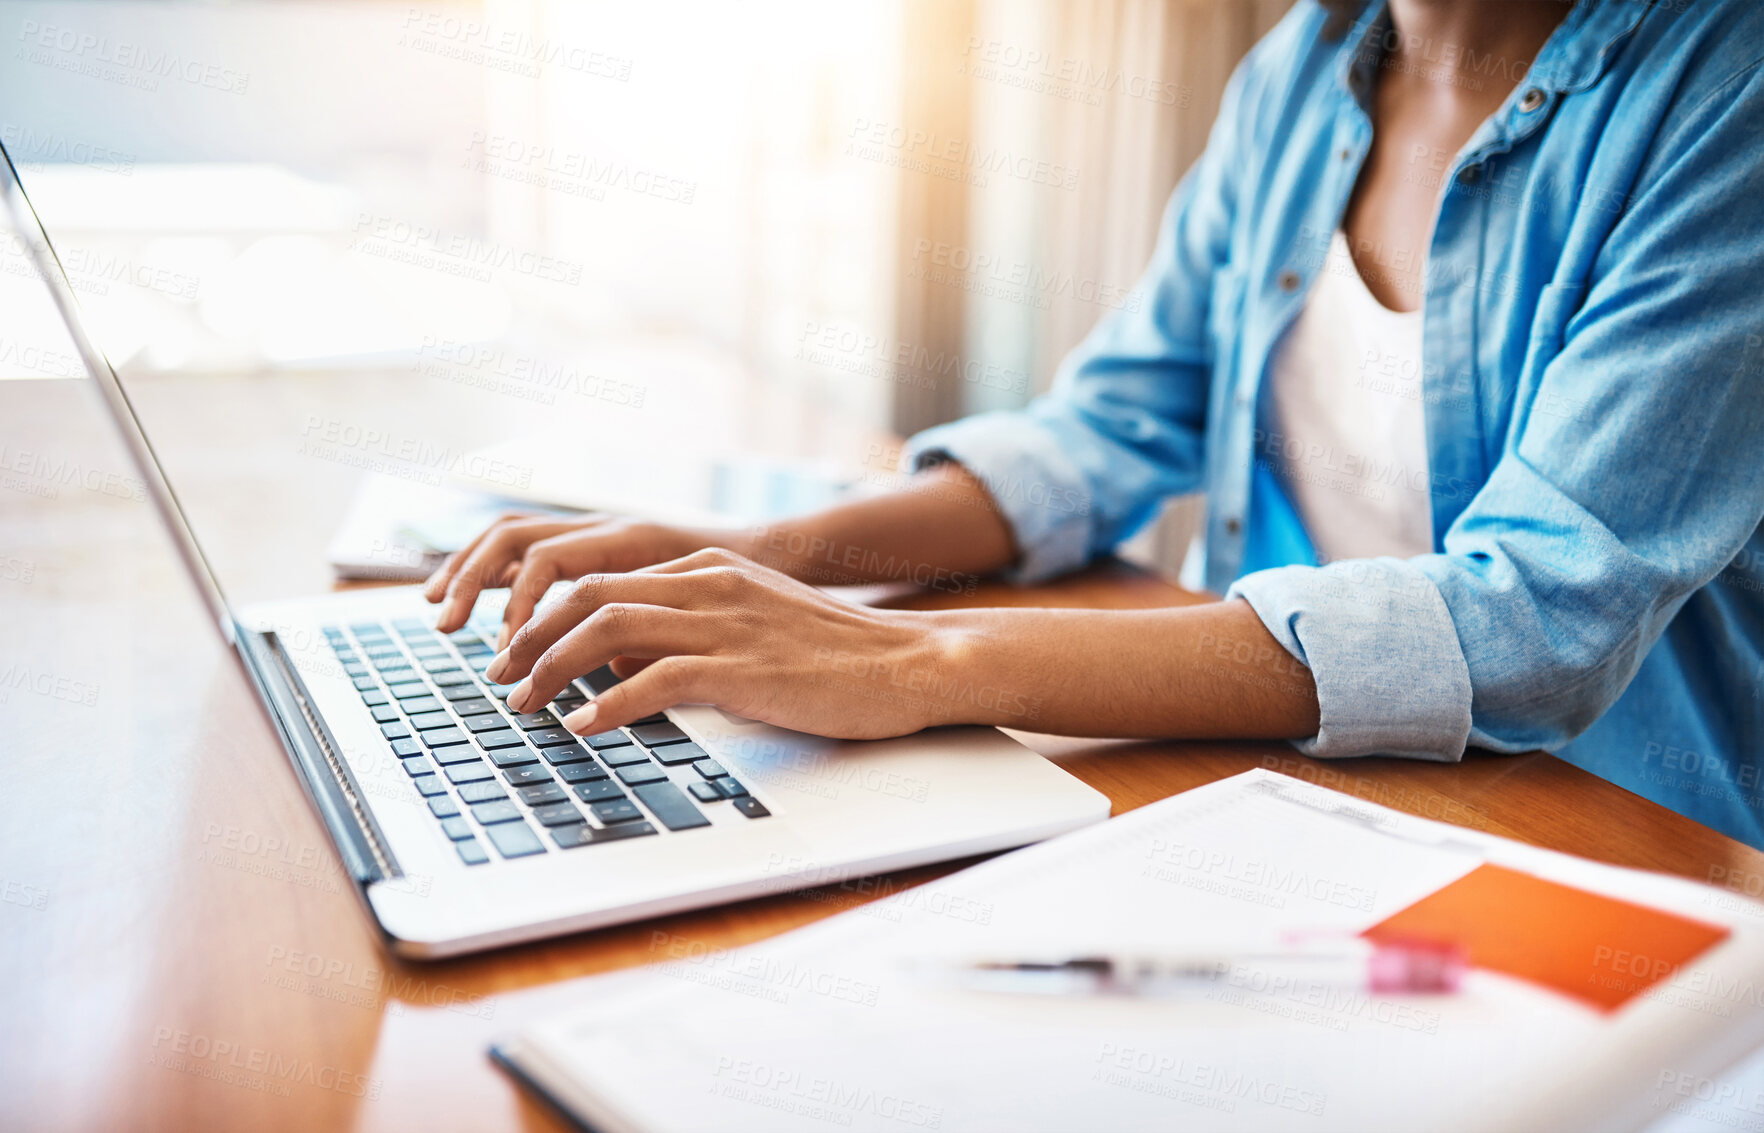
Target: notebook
1599,997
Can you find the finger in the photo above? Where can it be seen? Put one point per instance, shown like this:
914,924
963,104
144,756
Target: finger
614,630
435,588
487,564
667,682
549,560
589,594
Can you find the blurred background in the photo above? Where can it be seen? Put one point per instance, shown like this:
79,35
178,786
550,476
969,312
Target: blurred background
784,227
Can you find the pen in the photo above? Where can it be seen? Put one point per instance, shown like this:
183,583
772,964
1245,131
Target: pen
1408,968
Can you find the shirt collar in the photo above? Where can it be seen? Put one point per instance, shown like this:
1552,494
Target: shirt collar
1572,59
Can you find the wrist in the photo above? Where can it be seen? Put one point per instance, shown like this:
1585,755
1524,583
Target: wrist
967,672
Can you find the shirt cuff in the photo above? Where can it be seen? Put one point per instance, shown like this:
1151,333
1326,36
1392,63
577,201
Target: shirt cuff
1383,650
1039,490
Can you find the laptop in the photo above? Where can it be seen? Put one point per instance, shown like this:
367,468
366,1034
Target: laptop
467,826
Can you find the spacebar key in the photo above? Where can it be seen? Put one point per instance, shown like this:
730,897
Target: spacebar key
665,801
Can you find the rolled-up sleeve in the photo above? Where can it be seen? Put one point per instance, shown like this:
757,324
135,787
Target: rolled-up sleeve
1631,477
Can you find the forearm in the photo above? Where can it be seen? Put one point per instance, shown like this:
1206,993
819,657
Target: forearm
1210,671
940,530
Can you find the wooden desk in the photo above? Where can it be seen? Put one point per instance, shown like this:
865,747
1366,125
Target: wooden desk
161,870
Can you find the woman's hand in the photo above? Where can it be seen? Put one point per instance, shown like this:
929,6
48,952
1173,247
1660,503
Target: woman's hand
715,628
528,553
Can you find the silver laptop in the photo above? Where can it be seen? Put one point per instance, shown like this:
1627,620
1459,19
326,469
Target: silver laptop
468,826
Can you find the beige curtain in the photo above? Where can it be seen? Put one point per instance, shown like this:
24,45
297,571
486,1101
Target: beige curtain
1117,94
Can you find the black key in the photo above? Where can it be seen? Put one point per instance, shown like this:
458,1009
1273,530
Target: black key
558,756
731,789
601,679
474,705
463,694
570,701
569,837
373,698
402,748
454,678
443,737
485,723
417,765
557,814
540,719
600,741
515,839
503,737
459,753
418,705
500,692
487,791
475,772
464,637
665,801
671,754
546,737
647,773
615,811
476,652
355,669
710,769
663,733
502,810
653,718
705,792
456,828
399,674
624,756
384,713
598,791
471,853
581,772
441,663
430,786
443,806
526,776
363,684
423,721
408,690
513,756
542,794
751,807
394,731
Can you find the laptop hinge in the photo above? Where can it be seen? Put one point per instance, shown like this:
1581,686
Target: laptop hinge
318,760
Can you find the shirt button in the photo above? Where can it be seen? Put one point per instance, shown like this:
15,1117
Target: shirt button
1531,100
1287,280
1470,175
1233,526
1346,153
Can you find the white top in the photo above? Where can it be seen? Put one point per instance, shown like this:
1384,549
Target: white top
1344,429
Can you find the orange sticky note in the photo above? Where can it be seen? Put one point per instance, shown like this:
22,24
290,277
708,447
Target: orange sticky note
1597,949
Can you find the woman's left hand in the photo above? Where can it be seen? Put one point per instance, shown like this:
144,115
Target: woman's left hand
715,628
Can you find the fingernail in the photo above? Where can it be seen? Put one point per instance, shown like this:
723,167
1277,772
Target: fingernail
517,699
497,664
502,639
582,719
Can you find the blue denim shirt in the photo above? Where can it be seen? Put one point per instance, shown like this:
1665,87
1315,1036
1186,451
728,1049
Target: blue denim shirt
1593,386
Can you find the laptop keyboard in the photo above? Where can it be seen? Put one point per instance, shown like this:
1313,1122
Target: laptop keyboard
503,784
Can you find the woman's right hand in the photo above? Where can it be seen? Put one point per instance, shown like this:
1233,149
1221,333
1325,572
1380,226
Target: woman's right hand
528,553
